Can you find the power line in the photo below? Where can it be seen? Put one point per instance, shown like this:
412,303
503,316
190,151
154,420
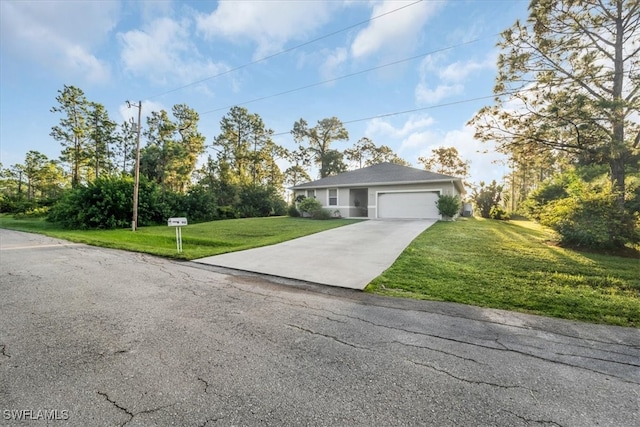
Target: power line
282,52
398,113
335,79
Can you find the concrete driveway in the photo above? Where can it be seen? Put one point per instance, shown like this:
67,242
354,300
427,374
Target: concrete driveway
348,257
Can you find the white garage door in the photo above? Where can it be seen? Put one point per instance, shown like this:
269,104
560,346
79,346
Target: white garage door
408,205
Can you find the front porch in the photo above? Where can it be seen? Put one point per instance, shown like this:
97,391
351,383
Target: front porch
358,202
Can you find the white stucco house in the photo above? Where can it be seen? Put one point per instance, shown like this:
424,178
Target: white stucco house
385,190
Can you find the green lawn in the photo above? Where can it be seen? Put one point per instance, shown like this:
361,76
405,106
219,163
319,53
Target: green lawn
507,265
510,265
198,240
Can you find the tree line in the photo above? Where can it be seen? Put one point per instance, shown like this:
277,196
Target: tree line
241,179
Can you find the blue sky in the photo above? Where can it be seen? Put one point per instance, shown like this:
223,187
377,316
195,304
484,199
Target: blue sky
209,56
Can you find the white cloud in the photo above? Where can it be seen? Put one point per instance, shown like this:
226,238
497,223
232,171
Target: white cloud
131,113
486,163
333,61
59,35
416,140
163,50
417,137
269,24
386,129
396,32
425,95
460,70
439,81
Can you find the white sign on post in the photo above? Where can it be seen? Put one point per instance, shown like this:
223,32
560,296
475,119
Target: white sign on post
177,223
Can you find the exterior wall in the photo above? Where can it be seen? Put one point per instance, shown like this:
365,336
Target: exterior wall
346,197
439,187
322,194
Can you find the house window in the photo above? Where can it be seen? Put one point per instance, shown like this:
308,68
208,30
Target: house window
311,193
333,197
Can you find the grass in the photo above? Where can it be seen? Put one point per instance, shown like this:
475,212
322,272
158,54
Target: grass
506,265
509,265
198,240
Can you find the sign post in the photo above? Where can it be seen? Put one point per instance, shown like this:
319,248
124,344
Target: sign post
178,223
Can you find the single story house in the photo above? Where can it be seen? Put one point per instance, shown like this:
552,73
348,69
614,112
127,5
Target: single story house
385,190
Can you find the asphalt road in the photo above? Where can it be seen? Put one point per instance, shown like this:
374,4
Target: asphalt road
102,337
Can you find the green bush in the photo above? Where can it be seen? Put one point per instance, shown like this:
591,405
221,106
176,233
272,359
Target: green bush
449,206
632,196
39,212
201,204
322,214
259,201
20,205
7,203
486,197
550,190
292,211
107,203
279,206
581,206
227,212
590,218
309,206
498,212
255,201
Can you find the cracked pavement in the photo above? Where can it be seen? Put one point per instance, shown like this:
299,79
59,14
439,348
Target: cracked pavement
126,339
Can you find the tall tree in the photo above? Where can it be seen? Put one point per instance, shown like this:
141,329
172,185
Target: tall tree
573,76
156,157
171,154
102,138
189,143
11,186
246,153
269,173
447,161
334,162
34,165
528,170
384,153
366,153
319,139
16,174
73,130
298,172
52,180
360,152
41,176
125,147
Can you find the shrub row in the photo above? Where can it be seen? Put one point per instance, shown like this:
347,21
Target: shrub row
108,203
585,213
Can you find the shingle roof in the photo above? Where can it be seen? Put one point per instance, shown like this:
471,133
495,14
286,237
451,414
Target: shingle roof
382,173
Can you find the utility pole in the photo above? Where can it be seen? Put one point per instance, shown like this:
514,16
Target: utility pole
96,136
136,179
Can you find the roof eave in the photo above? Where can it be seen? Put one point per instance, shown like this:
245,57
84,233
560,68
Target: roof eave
458,181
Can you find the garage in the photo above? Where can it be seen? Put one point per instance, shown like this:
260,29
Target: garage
407,205
384,190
